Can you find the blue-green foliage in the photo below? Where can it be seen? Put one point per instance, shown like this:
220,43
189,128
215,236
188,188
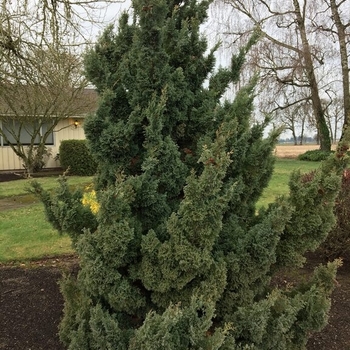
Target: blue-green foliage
180,258
64,209
337,243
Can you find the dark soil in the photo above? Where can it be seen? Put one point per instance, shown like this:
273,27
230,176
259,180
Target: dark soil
31,305
336,335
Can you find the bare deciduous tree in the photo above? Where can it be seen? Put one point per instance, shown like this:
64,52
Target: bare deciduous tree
334,110
295,51
339,28
35,96
296,116
57,17
41,78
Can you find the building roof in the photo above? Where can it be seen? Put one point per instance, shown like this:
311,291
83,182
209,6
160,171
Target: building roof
40,101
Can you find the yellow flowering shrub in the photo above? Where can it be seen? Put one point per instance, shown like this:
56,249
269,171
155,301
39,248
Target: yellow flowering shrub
89,199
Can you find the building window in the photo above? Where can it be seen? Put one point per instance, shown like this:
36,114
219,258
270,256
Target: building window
14,130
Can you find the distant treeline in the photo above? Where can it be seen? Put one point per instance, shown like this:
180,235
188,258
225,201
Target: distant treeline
298,140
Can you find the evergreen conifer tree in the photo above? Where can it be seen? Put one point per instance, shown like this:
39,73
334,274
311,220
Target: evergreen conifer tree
178,256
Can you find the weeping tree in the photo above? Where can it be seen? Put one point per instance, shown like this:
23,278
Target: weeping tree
178,256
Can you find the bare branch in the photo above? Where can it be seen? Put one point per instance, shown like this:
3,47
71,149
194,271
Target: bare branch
295,102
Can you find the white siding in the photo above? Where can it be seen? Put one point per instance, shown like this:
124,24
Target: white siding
65,130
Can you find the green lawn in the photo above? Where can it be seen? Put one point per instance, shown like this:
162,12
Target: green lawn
18,187
25,234
279,182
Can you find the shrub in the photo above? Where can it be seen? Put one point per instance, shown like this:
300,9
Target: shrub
75,155
178,257
337,243
65,209
315,155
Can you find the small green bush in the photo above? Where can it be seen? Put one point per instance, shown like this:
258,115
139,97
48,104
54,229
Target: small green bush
75,155
337,243
315,155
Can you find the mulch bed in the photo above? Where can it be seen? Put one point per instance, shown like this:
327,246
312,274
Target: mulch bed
31,306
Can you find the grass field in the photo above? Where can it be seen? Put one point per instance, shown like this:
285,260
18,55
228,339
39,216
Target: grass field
279,182
292,151
25,234
19,187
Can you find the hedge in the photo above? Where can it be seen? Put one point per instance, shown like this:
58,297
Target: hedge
315,155
75,155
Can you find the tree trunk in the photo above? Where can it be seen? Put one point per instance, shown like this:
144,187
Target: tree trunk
344,61
302,133
321,124
335,130
294,137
